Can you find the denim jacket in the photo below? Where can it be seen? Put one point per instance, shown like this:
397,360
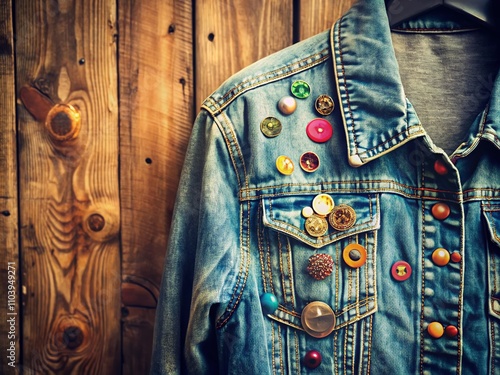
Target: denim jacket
327,233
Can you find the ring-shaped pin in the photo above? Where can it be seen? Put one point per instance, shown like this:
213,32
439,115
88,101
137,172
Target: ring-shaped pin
354,255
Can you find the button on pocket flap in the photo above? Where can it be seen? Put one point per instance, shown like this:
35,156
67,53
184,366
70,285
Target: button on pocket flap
492,216
319,220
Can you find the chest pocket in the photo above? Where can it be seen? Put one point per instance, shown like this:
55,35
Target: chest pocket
492,216
327,260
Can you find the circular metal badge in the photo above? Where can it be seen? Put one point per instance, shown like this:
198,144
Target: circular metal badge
324,105
318,319
342,217
270,127
309,161
316,226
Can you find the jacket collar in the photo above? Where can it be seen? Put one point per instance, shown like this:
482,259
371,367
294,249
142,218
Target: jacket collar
376,114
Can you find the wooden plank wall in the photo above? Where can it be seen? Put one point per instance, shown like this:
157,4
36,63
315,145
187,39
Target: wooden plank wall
97,101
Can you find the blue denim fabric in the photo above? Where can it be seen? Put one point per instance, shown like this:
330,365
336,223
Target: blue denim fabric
238,231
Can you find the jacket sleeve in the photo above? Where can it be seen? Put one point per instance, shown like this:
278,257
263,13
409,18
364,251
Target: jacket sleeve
202,257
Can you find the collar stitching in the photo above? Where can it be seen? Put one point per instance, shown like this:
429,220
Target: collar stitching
351,116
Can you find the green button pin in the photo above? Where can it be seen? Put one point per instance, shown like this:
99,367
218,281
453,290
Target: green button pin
300,89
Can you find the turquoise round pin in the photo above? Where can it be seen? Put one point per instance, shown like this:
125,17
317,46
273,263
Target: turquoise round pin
269,303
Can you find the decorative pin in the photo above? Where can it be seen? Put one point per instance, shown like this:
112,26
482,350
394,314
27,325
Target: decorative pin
324,105
307,212
301,89
320,266
309,161
342,217
323,204
287,105
319,130
316,226
354,255
270,127
284,165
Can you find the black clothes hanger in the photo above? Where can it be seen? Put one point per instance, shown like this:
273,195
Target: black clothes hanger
484,12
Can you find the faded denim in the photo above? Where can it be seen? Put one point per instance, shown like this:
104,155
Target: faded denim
238,231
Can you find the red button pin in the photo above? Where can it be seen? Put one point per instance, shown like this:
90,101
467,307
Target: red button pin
401,270
319,130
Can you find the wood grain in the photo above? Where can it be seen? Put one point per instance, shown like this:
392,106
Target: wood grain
319,15
232,34
156,116
69,211
9,247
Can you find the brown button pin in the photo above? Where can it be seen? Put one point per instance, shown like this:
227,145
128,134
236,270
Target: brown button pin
309,161
324,105
342,217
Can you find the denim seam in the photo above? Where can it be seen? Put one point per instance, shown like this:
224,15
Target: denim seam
280,343
290,272
370,338
351,116
269,262
236,146
264,78
422,291
230,150
336,350
493,347
242,275
260,246
273,348
297,353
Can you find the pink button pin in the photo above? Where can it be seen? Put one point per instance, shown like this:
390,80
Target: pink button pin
319,130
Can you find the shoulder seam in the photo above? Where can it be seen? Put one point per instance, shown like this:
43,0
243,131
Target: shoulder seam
215,107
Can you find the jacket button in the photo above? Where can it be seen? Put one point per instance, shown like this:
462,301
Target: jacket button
318,319
440,168
312,359
287,105
440,211
269,303
441,257
456,257
451,331
401,270
354,255
435,330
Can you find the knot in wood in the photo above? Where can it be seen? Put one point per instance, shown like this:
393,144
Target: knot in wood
96,222
63,122
72,337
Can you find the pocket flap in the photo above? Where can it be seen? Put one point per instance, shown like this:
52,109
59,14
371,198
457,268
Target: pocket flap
284,214
492,216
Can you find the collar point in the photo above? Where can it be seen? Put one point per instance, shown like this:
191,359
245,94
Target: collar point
355,161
